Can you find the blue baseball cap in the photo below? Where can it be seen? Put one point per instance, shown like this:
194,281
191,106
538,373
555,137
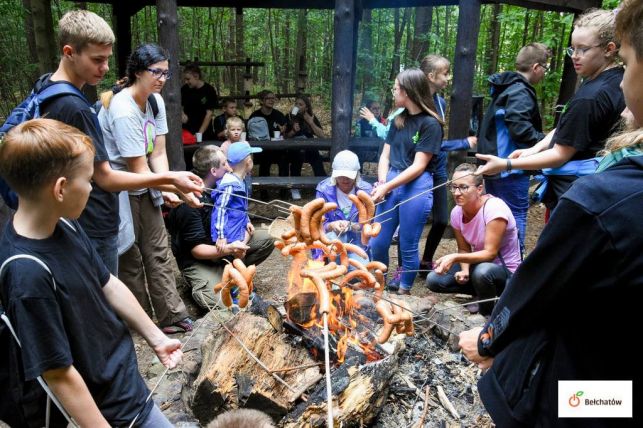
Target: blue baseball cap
241,150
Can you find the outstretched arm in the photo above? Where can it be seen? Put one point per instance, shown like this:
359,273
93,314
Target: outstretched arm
127,307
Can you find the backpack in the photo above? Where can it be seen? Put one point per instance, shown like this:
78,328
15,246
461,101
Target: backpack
258,129
151,99
27,110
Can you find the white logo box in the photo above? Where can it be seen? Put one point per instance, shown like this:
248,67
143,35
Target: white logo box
594,399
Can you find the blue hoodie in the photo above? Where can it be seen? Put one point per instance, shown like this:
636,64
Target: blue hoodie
230,218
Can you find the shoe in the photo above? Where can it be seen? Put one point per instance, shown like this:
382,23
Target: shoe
296,194
394,283
182,326
403,292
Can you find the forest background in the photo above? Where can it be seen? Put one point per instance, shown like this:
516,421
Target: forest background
389,40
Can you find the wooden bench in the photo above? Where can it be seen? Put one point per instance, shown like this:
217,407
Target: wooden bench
367,149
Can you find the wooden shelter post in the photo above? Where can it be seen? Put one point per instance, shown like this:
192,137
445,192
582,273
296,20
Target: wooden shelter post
345,36
463,72
167,16
122,17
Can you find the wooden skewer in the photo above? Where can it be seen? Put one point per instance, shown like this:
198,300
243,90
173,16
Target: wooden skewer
302,367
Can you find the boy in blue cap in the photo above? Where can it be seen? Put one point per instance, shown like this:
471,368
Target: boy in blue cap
230,221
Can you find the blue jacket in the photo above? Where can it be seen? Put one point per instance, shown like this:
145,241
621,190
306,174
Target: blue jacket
230,214
564,313
329,193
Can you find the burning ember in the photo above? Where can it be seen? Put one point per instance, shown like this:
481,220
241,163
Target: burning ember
326,287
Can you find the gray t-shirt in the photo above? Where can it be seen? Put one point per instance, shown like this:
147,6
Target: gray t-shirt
128,132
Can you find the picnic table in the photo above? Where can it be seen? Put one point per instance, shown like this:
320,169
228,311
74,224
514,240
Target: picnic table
367,149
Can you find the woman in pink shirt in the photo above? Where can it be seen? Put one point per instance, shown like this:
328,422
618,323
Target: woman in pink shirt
488,250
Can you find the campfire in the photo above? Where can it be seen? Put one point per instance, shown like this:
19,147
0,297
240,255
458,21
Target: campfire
335,313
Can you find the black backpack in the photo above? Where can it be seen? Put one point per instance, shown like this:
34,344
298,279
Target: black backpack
27,110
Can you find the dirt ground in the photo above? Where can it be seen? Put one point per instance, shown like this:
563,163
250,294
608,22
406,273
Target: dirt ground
458,376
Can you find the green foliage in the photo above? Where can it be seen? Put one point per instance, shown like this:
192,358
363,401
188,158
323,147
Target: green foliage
270,36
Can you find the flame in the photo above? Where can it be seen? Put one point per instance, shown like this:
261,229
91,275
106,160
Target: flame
343,319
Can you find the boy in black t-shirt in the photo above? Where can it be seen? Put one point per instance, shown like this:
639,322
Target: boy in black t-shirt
73,322
199,100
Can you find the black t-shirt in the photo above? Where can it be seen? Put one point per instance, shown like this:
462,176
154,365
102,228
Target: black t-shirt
275,119
100,217
195,102
73,324
188,228
421,133
590,116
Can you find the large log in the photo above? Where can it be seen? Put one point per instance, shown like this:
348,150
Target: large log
359,392
230,378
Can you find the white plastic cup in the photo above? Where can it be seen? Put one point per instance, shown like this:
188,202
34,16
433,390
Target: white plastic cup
294,111
199,137
277,135
243,136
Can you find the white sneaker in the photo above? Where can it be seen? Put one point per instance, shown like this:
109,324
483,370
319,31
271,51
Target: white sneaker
296,195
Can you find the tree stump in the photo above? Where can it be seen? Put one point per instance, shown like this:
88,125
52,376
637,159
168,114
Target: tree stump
359,392
230,378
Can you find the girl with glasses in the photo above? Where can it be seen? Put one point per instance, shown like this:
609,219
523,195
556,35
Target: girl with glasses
134,135
569,151
487,237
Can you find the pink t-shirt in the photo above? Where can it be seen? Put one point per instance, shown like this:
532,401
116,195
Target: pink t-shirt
225,146
474,231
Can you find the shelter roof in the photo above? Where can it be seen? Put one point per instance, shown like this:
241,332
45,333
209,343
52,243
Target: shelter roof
554,5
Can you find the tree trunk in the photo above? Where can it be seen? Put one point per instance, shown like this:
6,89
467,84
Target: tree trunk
397,41
286,57
239,44
525,30
358,395
421,31
45,41
366,51
230,377
300,51
494,38
447,18
31,40
169,39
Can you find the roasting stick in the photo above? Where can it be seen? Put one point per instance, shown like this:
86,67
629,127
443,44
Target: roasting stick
162,377
270,203
242,211
415,314
424,192
329,392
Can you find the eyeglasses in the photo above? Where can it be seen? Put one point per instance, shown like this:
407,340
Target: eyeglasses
570,51
395,90
545,66
158,73
464,188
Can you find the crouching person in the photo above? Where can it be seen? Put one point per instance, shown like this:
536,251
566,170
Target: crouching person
344,180
488,247
70,315
198,258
